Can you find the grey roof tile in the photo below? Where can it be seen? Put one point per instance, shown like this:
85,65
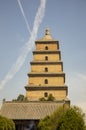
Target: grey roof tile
28,110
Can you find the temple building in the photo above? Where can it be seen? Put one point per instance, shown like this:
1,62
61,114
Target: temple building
46,89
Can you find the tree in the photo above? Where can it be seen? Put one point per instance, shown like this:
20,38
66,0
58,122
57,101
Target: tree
72,119
21,98
50,122
6,124
64,118
50,98
44,124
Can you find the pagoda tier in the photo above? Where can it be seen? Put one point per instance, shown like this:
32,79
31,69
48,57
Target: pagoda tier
35,93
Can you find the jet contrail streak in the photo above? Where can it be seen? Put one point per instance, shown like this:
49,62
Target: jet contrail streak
28,46
22,11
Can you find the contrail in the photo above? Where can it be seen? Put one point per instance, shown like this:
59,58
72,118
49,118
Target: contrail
28,46
22,11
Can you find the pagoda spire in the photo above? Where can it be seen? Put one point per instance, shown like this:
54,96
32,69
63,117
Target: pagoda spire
47,31
47,36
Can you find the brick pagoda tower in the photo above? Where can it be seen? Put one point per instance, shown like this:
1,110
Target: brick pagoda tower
46,76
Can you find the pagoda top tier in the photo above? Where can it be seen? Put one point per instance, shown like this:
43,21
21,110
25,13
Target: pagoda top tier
47,36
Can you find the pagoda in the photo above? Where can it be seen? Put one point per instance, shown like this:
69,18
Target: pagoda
46,76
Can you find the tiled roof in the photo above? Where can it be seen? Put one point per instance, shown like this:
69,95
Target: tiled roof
28,110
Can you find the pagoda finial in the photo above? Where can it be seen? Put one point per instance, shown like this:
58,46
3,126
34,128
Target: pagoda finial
47,31
47,36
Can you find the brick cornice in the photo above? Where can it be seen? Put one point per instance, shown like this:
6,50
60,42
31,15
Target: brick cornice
46,62
46,52
36,88
32,74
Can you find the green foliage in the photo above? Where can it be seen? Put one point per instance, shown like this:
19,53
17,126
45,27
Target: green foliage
50,122
49,98
72,119
44,124
64,118
6,124
42,99
20,98
56,116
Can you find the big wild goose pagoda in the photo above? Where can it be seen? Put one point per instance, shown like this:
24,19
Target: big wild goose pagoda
46,89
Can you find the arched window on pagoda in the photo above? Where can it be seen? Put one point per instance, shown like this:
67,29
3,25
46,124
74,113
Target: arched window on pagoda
46,81
46,57
46,47
46,69
45,94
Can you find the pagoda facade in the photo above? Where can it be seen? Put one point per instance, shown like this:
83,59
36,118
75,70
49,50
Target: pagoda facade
46,76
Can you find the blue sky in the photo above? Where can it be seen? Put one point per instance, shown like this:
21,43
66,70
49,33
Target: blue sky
67,22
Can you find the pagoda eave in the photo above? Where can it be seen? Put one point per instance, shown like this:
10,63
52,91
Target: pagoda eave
36,88
46,52
33,74
46,62
47,41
